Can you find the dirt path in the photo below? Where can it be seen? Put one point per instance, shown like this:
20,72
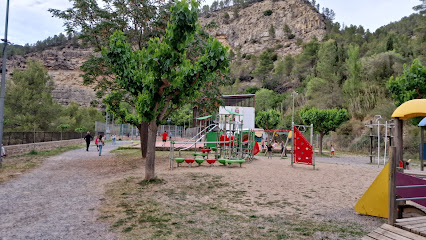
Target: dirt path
58,199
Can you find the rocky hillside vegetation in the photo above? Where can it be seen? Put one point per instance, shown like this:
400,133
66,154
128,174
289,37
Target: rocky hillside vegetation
62,59
282,25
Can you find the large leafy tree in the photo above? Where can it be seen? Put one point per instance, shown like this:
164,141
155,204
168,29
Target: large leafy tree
168,72
29,102
95,23
268,119
324,121
411,84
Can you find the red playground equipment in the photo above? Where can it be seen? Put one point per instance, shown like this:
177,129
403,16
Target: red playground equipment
302,149
303,152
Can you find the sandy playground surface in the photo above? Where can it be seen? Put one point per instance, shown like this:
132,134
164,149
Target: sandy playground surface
329,192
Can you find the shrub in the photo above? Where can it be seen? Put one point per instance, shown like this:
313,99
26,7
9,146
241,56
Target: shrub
278,46
252,90
226,18
267,12
274,57
291,36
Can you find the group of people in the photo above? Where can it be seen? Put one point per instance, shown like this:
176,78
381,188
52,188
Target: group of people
268,147
99,142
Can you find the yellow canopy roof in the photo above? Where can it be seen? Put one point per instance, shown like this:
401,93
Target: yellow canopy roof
410,109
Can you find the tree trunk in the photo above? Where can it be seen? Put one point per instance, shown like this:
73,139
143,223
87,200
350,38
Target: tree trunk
143,135
320,143
150,157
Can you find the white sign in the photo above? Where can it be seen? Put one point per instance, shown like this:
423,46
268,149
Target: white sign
247,112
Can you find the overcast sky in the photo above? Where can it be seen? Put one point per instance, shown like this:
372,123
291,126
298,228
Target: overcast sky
29,20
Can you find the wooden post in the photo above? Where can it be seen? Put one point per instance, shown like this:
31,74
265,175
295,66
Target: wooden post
422,149
392,189
396,155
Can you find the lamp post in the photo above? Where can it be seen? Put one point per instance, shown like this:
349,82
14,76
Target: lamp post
3,80
294,93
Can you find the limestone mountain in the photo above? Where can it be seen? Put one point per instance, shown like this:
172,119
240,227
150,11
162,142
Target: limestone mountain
63,65
281,25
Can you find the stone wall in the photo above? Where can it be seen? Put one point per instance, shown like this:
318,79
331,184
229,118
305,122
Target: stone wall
26,148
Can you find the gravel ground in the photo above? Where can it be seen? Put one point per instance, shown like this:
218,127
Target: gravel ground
56,200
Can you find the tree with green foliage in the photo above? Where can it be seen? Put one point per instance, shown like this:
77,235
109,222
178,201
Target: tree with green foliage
288,32
324,91
263,99
94,23
29,102
168,73
77,116
306,61
265,65
80,130
410,85
268,119
353,86
63,127
324,121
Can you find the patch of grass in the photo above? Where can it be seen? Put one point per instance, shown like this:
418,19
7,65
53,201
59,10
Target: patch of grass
16,165
33,152
152,181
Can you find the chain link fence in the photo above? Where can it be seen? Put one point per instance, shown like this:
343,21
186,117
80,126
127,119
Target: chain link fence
14,138
121,130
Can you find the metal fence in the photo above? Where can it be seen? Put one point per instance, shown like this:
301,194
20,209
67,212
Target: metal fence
14,138
176,131
115,129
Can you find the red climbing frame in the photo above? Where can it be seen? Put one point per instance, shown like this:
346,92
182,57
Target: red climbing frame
302,149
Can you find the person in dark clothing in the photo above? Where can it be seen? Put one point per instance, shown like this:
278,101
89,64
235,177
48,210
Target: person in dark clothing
88,138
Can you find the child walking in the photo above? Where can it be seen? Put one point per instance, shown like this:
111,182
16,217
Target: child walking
100,144
96,143
332,151
270,151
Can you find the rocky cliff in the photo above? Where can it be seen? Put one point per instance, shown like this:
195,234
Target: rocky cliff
250,31
63,65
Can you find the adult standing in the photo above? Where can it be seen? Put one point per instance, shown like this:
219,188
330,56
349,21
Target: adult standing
113,139
88,138
101,143
164,138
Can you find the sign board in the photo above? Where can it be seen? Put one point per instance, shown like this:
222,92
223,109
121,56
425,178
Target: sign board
247,112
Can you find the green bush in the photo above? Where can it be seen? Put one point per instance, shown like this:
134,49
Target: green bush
267,12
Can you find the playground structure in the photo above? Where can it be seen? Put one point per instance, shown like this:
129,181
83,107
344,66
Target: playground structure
223,137
229,143
302,149
388,125
388,195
